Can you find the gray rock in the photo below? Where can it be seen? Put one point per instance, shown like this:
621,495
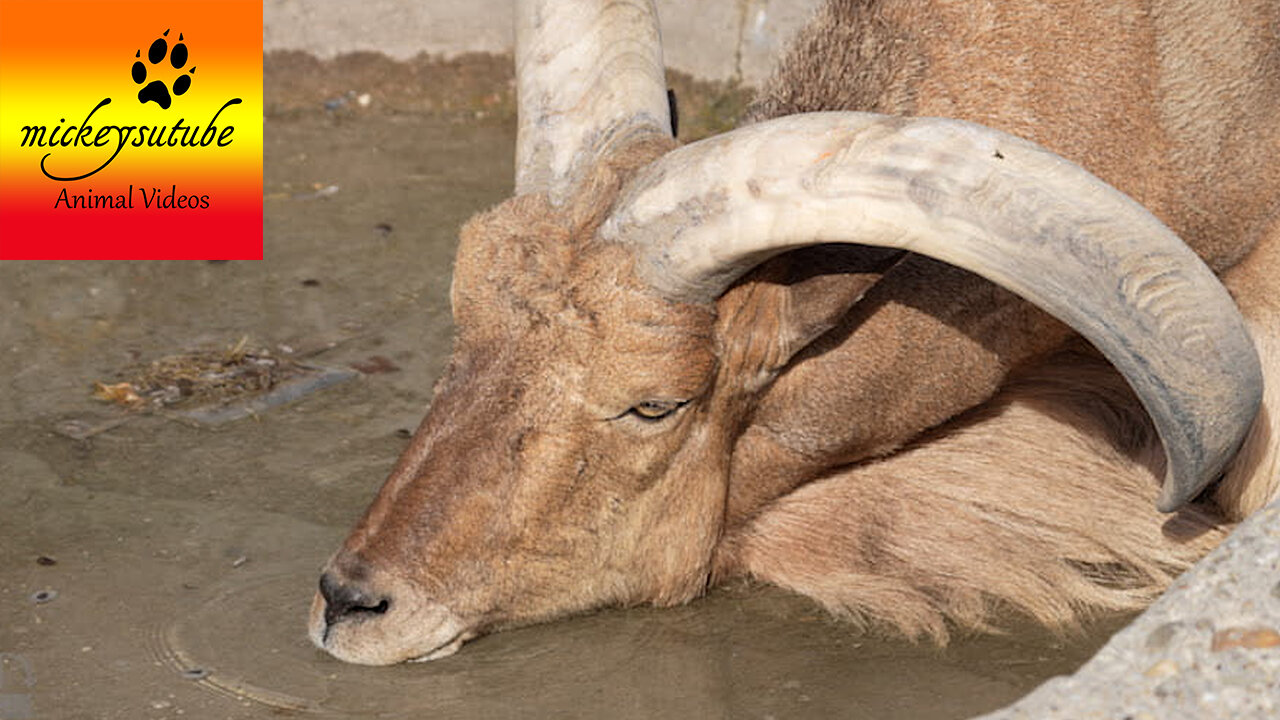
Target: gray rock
1208,648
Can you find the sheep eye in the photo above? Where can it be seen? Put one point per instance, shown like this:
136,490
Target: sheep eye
652,410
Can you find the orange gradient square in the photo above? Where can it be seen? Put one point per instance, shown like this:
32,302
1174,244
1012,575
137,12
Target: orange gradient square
130,129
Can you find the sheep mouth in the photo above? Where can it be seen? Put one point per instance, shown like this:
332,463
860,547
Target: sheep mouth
445,649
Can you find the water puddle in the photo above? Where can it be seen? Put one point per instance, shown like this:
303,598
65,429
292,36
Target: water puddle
743,652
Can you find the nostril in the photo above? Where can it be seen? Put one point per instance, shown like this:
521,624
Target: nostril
346,601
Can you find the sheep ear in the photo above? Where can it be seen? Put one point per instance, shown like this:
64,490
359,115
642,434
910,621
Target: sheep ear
817,302
803,303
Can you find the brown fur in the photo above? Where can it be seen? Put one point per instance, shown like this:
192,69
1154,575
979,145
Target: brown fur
987,515
898,439
1121,89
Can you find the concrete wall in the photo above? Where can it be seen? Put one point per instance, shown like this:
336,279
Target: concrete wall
709,39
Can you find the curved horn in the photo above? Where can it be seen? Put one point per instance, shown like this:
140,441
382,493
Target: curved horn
589,77
985,201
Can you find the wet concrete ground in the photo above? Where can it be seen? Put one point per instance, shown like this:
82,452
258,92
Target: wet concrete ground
162,568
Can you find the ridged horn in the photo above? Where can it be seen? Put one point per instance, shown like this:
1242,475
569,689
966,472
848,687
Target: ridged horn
996,205
589,77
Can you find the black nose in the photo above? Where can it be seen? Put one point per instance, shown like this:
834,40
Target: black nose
346,601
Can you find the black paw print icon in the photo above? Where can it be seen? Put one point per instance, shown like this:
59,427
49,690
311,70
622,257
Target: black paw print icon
156,90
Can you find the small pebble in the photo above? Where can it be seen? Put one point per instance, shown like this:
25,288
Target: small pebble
376,364
239,561
1250,638
195,674
1159,638
1162,669
46,561
43,596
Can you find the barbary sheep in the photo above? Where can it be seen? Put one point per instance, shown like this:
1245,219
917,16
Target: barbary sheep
928,372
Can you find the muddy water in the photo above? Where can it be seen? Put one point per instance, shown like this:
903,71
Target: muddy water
162,568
